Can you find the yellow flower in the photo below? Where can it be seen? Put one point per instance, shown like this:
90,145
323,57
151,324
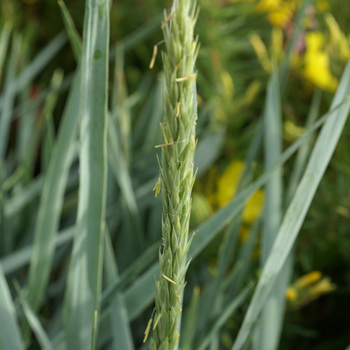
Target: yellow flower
200,210
291,294
322,287
340,45
308,279
317,64
254,207
322,5
292,131
228,182
308,288
261,52
279,13
227,188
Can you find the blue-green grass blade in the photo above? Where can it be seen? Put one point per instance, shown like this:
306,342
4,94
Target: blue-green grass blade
21,257
8,98
26,130
138,35
142,263
85,271
15,204
37,65
269,326
36,326
244,262
10,337
145,130
208,150
4,42
221,320
49,128
190,322
304,151
51,200
296,33
294,217
72,32
121,335
141,294
121,174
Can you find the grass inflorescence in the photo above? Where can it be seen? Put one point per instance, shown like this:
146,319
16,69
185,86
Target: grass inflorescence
177,173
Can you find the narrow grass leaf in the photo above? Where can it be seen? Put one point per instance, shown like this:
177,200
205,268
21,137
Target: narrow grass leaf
49,127
121,335
10,335
51,200
304,151
73,34
36,326
269,326
296,34
15,204
138,35
208,150
85,271
8,98
244,262
21,257
121,174
299,206
4,42
222,319
142,263
190,322
141,294
37,65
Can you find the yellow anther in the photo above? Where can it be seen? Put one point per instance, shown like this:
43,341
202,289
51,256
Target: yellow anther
191,76
156,321
168,279
177,109
168,19
156,188
147,330
164,145
154,55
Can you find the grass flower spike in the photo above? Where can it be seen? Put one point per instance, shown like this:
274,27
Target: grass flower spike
177,176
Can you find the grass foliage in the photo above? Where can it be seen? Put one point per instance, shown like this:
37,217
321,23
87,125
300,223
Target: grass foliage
92,259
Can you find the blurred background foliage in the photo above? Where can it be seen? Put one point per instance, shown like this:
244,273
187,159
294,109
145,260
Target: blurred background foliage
241,41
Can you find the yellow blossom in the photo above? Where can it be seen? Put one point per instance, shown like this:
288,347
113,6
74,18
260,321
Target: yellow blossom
254,207
227,187
279,13
339,43
291,294
227,85
322,5
228,182
309,287
261,52
317,63
322,287
243,234
308,279
292,131
201,209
